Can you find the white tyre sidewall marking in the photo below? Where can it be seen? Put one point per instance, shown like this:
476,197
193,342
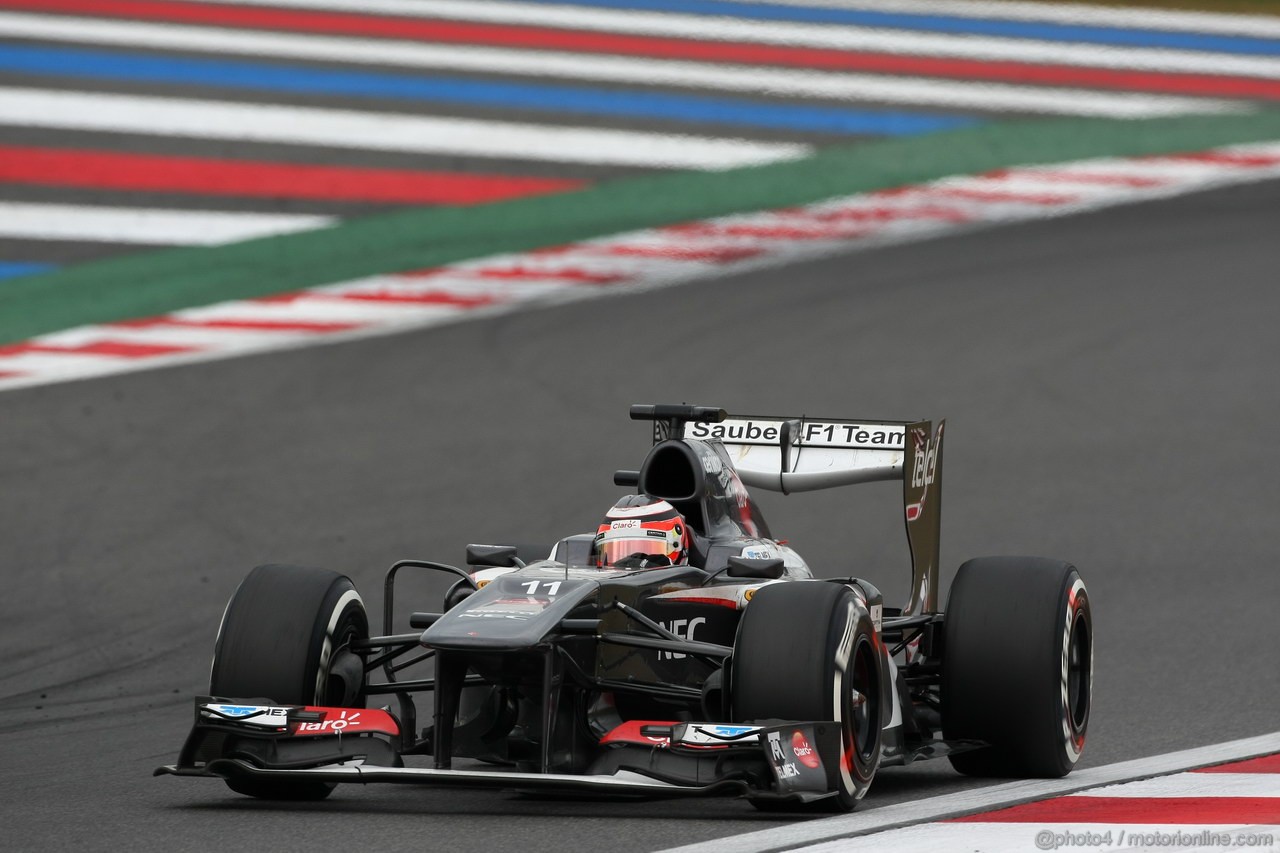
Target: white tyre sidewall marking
1073,741
326,651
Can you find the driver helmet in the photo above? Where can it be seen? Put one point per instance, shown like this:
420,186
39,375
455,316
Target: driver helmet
640,532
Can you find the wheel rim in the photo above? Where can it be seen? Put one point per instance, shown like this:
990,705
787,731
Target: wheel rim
1079,672
342,681
863,711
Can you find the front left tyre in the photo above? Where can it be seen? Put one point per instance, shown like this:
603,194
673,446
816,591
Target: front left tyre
809,651
286,637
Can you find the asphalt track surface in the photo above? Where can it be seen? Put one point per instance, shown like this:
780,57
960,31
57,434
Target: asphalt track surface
1109,388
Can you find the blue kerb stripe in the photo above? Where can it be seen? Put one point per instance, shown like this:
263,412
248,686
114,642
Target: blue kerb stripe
1044,31
454,90
13,269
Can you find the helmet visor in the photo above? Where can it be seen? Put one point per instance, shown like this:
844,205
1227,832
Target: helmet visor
638,551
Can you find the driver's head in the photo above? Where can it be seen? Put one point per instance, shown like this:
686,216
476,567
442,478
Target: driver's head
640,532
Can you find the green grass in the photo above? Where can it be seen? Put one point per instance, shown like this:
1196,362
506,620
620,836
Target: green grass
155,283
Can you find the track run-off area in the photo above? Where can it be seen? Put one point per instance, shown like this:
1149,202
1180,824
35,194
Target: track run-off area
1052,225
130,126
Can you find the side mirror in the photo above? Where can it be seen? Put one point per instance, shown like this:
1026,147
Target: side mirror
493,556
767,569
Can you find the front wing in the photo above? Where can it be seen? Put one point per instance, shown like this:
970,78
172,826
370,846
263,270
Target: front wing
769,761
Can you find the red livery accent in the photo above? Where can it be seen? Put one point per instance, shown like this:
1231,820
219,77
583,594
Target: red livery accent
805,754
337,721
688,599
632,731
1233,811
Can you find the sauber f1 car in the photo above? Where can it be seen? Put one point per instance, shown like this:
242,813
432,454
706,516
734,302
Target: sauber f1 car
731,670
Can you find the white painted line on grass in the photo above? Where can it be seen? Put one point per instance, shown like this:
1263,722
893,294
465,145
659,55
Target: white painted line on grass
1169,20
94,223
916,91
838,37
378,131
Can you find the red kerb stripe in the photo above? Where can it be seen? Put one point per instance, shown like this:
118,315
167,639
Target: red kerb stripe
793,232
1077,177
1164,810
120,171
667,48
714,255
566,274
248,325
1000,197
1223,158
118,349
1265,764
890,214
433,297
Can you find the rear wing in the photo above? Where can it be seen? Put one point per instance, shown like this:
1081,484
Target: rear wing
802,454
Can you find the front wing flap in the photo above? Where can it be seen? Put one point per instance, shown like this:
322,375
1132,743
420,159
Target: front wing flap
280,736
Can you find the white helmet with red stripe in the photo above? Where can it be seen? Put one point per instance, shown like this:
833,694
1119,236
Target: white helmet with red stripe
641,532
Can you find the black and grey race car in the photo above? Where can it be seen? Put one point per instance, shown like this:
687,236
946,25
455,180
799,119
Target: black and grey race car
739,673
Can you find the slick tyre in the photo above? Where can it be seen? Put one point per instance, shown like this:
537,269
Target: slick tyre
285,637
1017,668
808,651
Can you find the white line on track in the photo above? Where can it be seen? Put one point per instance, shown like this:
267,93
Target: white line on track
1195,785
961,803
450,285
144,225
56,367
197,338
1023,837
379,131
840,37
613,69
318,310
1168,20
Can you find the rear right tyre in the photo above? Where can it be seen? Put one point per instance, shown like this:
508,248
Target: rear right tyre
1017,668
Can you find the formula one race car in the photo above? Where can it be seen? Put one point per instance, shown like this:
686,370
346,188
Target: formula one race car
679,650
